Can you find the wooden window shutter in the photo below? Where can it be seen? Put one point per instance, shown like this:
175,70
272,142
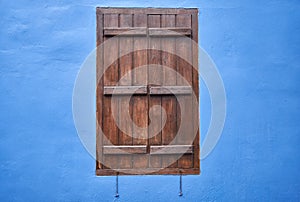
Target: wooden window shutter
139,110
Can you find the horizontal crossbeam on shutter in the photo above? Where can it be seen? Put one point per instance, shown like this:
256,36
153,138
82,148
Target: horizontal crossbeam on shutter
170,31
127,31
153,11
165,90
125,149
171,149
124,90
152,171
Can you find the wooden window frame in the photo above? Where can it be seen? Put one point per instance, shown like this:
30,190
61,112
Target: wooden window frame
101,32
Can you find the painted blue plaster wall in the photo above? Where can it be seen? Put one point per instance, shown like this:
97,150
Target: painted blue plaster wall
255,45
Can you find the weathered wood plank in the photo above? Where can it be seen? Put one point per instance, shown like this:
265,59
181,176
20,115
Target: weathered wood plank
126,31
140,103
169,102
99,91
134,149
110,128
149,11
196,126
183,48
155,77
125,90
125,79
168,90
149,171
171,149
170,31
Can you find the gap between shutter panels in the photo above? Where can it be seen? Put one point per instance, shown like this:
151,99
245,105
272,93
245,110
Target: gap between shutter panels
158,90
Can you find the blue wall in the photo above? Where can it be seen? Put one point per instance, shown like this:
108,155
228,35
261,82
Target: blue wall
255,45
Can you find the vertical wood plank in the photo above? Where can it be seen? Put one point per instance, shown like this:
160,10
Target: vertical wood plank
196,126
154,78
110,128
169,102
140,103
183,48
125,67
99,91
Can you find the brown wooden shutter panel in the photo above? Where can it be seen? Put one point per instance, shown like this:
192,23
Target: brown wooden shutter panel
138,151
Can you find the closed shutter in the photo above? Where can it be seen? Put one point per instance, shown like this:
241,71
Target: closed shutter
147,119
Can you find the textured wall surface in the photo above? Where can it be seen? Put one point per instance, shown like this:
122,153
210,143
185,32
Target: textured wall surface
255,45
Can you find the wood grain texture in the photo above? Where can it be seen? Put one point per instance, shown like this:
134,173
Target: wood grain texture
149,171
110,128
140,103
170,31
125,90
155,78
183,47
171,149
154,11
196,117
99,92
168,90
125,108
149,88
169,102
133,149
127,31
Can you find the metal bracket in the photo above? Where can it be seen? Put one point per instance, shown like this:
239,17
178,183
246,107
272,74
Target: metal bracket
117,186
180,185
